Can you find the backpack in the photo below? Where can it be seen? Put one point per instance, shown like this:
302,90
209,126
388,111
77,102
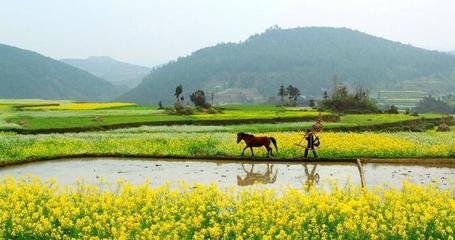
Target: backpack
316,141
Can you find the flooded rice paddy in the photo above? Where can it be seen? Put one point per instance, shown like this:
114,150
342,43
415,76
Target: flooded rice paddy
227,174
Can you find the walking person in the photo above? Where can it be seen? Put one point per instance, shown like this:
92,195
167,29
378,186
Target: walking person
309,137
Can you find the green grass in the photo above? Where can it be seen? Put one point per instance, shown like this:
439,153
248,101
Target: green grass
68,119
288,118
249,128
42,119
369,119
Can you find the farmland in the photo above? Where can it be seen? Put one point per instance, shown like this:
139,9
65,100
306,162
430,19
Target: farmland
401,99
172,120
34,209
45,209
85,116
60,117
209,143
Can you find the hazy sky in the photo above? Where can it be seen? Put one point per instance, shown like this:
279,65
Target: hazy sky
151,32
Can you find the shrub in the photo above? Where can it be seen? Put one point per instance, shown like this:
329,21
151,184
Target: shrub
198,98
392,110
345,102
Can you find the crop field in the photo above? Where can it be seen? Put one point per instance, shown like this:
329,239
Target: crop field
61,116
216,144
34,209
80,106
401,99
88,115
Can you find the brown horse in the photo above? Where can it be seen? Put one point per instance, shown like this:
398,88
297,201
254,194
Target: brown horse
252,141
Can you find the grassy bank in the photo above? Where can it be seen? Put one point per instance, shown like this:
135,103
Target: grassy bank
31,209
17,148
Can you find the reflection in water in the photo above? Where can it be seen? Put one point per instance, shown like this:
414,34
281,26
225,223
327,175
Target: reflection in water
253,178
224,173
312,178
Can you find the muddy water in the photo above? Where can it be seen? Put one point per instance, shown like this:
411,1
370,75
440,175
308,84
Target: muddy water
226,174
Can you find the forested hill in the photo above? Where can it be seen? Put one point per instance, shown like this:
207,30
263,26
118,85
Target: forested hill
27,74
308,58
114,71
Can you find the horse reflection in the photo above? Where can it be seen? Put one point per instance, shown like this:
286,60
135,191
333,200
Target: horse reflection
312,178
253,178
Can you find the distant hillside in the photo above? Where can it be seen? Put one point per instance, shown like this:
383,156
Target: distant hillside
118,73
26,74
308,58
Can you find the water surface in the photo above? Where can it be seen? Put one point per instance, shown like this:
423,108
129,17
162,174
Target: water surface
227,174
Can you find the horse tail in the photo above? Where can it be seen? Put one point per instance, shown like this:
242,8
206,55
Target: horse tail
274,143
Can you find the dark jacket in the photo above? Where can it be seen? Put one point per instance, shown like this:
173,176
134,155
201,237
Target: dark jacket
310,140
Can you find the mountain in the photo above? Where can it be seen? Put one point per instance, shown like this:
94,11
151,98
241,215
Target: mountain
116,72
307,58
27,74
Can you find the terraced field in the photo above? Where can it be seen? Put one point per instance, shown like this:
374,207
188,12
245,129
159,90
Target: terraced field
51,117
43,209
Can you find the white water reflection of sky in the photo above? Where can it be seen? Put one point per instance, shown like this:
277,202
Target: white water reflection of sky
225,174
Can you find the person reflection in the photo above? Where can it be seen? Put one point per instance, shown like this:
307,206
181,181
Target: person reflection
253,178
312,178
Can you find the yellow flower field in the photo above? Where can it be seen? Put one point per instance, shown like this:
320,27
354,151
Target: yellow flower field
14,147
81,106
34,209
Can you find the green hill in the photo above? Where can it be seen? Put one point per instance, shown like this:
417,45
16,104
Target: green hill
308,58
116,72
26,74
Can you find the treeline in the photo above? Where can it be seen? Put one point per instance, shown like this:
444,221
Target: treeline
433,105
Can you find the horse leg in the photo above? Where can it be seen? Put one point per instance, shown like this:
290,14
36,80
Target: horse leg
252,153
271,150
244,150
268,150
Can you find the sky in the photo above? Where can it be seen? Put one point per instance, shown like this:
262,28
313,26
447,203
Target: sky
153,32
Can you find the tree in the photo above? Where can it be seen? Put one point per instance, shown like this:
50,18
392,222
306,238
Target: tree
160,105
282,93
312,103
178,91
296,94
198,98
293,94
325,95
392,110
